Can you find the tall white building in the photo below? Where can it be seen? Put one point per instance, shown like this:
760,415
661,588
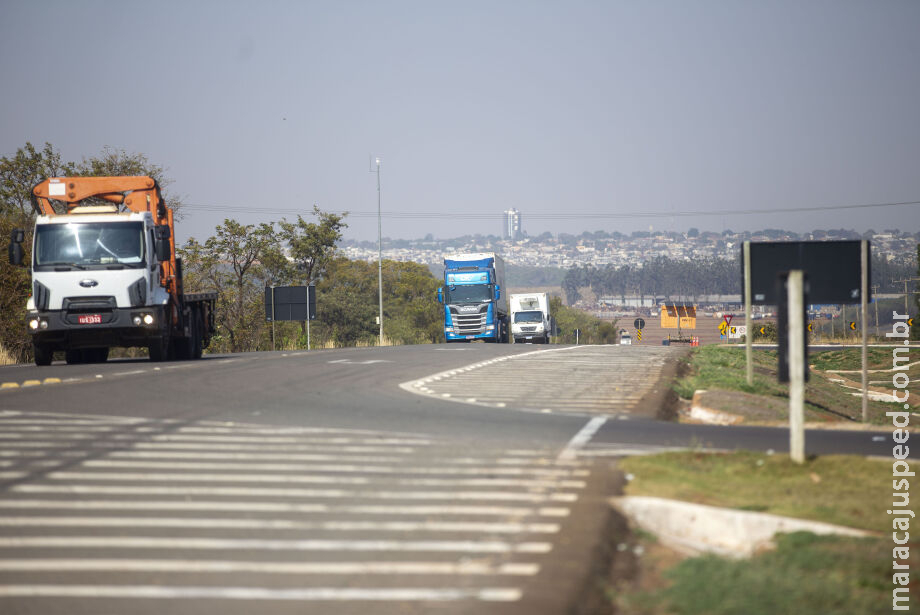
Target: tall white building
511,229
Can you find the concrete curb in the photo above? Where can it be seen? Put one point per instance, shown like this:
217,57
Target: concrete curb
696,528
699,412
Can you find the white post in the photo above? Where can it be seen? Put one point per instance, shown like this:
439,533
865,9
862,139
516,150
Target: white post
379,255
273,319
864,291
748,337
795,295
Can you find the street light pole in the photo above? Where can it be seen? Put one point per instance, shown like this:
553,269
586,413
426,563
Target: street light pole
379,255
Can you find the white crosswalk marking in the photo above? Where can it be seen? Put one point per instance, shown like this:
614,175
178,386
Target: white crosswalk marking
166,510
577,379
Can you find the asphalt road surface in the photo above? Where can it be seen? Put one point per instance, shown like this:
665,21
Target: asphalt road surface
449,479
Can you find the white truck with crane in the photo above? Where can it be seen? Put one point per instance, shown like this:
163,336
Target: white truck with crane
105,273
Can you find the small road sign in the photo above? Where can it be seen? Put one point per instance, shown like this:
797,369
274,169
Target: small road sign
737,332
853,325
728,319
763,330
810,327
639,323
639,335
723,328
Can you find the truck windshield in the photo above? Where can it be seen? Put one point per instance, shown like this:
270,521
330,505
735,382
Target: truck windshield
473,293
91,243
534,316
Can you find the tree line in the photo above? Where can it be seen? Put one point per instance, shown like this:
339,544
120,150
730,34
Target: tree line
672,279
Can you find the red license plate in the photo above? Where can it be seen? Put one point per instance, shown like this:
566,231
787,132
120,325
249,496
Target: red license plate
90,319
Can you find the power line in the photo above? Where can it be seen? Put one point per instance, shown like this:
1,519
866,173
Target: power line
455,215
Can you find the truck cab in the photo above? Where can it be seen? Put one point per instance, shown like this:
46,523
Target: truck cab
95,266
530,319
475,306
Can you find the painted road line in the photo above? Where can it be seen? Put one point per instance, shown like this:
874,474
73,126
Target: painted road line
163,445
516,512
157,463
500,594
293,492
298,479
582,437
469,568
295,479
184,454
283,524
283,439
238,544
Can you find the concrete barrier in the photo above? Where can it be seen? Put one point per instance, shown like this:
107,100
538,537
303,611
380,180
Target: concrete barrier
696,528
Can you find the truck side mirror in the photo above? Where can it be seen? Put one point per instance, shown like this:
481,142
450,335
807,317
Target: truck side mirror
161,246
17,236
440,294
498,292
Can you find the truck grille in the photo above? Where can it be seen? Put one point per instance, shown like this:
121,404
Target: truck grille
469,324
528,329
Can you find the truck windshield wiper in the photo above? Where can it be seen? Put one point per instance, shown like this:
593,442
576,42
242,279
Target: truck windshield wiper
63,264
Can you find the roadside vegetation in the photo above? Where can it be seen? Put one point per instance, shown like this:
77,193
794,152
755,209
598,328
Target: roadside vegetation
829,396
591,330
805,573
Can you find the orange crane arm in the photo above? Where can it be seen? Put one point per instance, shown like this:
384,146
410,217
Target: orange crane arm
135,193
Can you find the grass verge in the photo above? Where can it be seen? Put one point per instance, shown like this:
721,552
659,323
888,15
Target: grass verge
723,368
840,489
804,574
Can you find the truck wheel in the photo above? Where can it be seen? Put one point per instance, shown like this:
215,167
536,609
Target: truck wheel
43,354
158,349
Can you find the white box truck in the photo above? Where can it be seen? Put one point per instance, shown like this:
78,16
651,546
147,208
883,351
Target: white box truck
530,318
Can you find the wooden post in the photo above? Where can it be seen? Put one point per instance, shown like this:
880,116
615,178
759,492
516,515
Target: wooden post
796,324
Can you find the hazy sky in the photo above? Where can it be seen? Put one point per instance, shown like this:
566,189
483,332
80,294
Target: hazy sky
563,110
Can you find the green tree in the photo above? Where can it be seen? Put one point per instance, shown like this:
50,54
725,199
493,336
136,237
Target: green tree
312,244
346,303
18,175
232,263
114,162
411,314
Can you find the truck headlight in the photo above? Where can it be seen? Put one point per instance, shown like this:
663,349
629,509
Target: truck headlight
490,327
33,324
148,319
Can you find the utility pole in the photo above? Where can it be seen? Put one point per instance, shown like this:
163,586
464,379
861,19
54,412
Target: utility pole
906,281
875,301
379,254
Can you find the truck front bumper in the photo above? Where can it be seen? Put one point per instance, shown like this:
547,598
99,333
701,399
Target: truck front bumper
114,327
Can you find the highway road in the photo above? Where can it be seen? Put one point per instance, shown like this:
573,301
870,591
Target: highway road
456,479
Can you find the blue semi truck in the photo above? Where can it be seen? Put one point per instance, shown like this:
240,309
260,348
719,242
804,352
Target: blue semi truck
474,298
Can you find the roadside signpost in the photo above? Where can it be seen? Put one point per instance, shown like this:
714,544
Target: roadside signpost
296,303
736,333
790,275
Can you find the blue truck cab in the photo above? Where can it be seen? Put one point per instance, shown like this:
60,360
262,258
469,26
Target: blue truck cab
474,298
